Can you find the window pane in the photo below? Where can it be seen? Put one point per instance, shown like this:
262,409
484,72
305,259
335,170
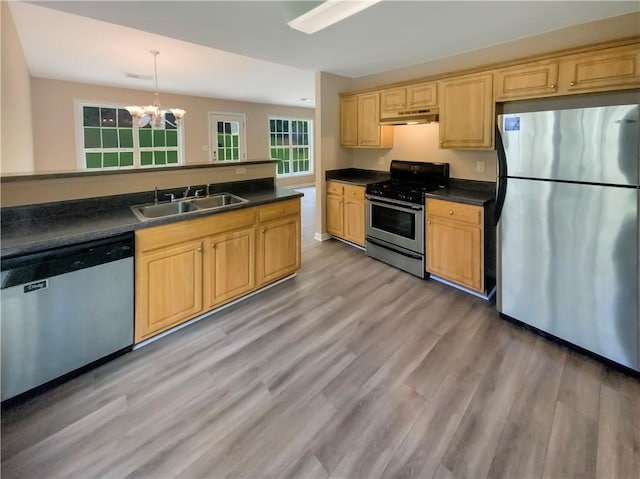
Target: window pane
170,121
236,154
280,168
159,157
172,156
124,118
145,138
227,127
159,138
94,160
107,117
146,157
91,116
295,166
126,137
221,127
172,137
110,159
126,158
92,138
221,155
285,125
235,141
109,138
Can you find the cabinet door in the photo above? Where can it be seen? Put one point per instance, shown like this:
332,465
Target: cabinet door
335,217
168,287
609,69
525,81
354,221
229,265
278,249
349,121
422,95
368,119
454,252
467,112
393,100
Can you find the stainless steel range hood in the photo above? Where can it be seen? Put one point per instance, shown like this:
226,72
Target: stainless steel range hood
409,117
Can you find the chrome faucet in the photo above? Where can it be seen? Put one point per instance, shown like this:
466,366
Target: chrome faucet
186,192
198,192
155,196
208,190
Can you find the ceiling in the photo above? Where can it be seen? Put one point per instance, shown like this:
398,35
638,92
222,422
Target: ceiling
245,50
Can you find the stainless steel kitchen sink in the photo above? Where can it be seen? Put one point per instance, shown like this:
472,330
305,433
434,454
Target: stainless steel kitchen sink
152,211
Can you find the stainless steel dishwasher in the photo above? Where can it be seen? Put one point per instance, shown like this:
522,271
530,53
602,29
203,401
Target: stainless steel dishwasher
63,309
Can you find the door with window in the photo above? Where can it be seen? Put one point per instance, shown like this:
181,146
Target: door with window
227,141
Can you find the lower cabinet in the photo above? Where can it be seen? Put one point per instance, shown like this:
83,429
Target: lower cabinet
345,212
187,268
455,243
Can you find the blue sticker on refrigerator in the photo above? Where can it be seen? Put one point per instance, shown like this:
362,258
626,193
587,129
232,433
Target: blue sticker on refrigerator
512,123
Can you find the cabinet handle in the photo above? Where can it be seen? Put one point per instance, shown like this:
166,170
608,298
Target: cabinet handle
442,142
213,245
199,249
450,212
572,83
552,86
264,230
428,222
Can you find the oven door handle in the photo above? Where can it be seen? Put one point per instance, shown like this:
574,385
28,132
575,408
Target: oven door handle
397,206
403,253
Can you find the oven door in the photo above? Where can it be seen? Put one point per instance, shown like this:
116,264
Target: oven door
396,222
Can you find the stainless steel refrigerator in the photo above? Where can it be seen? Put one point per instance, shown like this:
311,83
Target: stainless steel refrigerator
568,234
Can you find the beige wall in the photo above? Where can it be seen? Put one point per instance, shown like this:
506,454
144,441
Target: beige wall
16,134
54,126
328,154
420,143
57,189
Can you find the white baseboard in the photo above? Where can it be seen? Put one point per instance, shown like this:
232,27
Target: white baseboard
321,236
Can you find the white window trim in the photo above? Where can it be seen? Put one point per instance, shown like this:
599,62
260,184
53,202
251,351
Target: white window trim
79,127
311,135
242,141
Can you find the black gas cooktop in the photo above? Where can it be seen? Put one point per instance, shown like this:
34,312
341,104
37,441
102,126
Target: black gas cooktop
410,180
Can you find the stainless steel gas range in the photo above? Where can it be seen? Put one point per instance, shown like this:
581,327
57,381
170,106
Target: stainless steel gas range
395,213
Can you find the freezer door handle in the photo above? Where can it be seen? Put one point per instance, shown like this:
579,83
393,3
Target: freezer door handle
501,192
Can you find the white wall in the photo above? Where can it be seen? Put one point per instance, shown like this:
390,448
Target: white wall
327,151
16,130
420,143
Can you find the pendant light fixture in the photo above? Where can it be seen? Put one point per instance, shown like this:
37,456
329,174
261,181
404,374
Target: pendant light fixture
154,114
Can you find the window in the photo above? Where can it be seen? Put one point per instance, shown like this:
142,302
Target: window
110,140
291,143
227,136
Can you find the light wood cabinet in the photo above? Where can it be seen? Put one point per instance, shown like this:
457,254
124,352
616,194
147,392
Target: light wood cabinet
187,268
613,68
467,112
359,122
455,243
526,81
345,212
279,244
349,121
229,266
168,287
411,97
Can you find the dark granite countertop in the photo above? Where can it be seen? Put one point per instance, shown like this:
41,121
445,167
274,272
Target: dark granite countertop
356,176
32,228
478,193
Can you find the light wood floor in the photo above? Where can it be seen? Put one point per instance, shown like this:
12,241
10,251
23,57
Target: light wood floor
351,370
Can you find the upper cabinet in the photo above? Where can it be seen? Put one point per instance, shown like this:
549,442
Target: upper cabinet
412,97
526,81
613,68
467,112
359,122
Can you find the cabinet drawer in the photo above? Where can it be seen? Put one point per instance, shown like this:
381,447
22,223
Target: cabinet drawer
279,210
354,192
455,211
334,188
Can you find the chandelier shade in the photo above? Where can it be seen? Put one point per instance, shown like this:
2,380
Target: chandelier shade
153,114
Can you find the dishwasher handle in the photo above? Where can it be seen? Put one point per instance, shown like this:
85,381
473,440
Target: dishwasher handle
46,264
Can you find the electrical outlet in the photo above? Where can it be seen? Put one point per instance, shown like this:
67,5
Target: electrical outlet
241,171
480,166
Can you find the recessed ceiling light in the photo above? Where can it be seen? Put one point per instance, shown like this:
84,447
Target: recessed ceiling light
138,76
328,13
306,99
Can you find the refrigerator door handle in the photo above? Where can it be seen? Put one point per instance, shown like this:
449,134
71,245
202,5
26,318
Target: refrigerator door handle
502,177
